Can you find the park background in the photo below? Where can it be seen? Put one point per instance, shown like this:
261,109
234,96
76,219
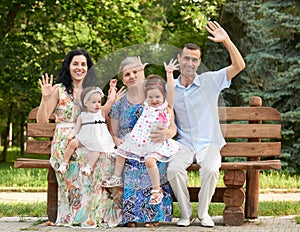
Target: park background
36,36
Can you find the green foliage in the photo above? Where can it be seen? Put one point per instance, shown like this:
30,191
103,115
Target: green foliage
274,208
36,35
267,34
298,219
184,20
272,179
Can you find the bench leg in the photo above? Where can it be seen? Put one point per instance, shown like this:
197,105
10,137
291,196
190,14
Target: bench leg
52,196
233,198
252,193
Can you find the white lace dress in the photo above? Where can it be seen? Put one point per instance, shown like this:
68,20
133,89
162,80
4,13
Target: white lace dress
94,134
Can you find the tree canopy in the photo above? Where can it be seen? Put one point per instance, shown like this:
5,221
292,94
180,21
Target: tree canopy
36,36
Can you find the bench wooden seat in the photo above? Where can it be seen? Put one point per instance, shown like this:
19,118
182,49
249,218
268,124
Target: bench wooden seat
247,166
253,143
31,163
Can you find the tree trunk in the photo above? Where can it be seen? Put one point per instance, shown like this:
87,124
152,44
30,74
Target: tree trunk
22,136
6,136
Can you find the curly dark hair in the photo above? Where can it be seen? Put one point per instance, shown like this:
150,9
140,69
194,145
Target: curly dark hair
64,75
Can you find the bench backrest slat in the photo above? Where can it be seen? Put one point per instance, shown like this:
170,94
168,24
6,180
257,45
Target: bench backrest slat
38,147
230,129
251,149
251,130
45,130
249,114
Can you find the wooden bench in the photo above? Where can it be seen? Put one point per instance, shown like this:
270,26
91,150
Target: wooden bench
253,133
38,141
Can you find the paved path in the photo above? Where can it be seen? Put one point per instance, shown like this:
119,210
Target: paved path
261,224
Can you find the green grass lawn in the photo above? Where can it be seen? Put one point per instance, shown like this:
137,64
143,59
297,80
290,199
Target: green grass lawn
38,209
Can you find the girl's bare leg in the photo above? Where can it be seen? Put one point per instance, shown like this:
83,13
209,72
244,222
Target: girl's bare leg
64,166
116,178
157,195
88,169
153,172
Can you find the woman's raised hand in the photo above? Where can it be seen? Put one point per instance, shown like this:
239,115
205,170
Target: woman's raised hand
47,86
172,66
138,64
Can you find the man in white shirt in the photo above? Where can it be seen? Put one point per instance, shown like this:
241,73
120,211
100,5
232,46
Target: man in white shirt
197,121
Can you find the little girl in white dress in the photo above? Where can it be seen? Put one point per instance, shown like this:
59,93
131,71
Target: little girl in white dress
157,112
90,129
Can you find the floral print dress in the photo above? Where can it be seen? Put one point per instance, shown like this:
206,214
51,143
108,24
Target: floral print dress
138,144
137,182
81,199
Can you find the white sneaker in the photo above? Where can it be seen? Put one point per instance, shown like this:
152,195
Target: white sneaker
184,222
63,168
207,222
87,170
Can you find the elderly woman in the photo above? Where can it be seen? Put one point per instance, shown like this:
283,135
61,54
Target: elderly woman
137,183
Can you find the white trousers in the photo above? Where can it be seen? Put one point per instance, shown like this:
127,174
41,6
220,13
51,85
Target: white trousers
209,159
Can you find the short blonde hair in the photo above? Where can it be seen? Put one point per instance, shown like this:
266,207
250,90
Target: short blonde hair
84,93
127,61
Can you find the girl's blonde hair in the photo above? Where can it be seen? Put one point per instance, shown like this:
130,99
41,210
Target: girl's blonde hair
86,94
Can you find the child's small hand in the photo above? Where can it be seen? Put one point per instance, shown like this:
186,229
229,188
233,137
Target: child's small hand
113,93
69,138
113,83
117,141
171,66
112,86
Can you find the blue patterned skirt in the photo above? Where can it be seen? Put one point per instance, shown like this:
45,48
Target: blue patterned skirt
137,192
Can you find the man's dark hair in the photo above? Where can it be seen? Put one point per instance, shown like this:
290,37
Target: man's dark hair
191,46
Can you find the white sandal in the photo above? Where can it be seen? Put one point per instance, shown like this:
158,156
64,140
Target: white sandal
114,181
63,168
156,197
87,170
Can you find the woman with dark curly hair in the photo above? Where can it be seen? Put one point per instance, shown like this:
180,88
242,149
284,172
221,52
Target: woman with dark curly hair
81,199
